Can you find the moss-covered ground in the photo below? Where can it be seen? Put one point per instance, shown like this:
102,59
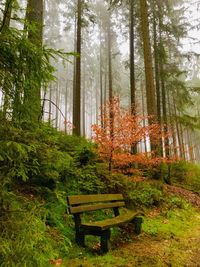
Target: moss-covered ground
41,167
170,237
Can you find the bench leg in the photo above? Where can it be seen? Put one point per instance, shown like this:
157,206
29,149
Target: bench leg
105,236
80,238
138,224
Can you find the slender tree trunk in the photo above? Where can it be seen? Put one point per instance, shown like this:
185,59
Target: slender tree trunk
83,103
77,91
172,126
132,57
157,72
57,104
182,139
6,84
180,145
50,98
156,63
110,84
163,90
110,89
101,77
132,64
143,113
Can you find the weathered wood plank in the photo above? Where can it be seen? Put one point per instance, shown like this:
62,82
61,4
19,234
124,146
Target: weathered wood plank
83,208
83,199
116,221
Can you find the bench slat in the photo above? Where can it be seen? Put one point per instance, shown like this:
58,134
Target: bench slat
83,199
82,208
103,225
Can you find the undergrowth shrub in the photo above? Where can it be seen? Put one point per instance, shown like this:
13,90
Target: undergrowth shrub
145,194
25,239
186,174
43,157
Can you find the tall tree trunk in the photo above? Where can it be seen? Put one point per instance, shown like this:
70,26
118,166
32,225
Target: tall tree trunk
110,84
149,78
150,88
57,105
50,107
172,126
132,64
77,91
132,56
156,62
163,89
32,93
101,78
180,145
83,102
6,15
143,113
6,84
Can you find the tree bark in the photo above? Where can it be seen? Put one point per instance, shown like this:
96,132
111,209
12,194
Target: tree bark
150,88
32,93
77,91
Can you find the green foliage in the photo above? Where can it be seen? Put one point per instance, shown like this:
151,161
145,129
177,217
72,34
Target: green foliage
146,194
85,156
45,165
25,239
14,158
33,156
89,182
186,174
24,68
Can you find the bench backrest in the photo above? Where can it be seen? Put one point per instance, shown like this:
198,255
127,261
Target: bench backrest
82,203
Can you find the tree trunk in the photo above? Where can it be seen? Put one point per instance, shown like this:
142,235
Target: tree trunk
149,78
6,15
150,88
101,77
6,84
83,103
32,93
132,57
77,91
156,63
110,84
132,65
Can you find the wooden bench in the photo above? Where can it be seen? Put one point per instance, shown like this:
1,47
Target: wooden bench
84,203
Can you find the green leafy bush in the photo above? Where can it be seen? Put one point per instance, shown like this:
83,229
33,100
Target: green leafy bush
33,156
187,175
25,239
145,194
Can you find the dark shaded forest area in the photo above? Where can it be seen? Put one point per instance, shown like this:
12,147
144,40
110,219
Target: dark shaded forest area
99,97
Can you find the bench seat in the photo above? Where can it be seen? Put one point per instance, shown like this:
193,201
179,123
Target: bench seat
86,203
126,217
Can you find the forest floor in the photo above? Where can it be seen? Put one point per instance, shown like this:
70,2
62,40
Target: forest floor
170,237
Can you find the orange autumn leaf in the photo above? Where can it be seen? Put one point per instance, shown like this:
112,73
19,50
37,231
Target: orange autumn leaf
118,131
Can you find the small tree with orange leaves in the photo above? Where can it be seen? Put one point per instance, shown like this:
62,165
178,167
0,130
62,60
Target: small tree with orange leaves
117,138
